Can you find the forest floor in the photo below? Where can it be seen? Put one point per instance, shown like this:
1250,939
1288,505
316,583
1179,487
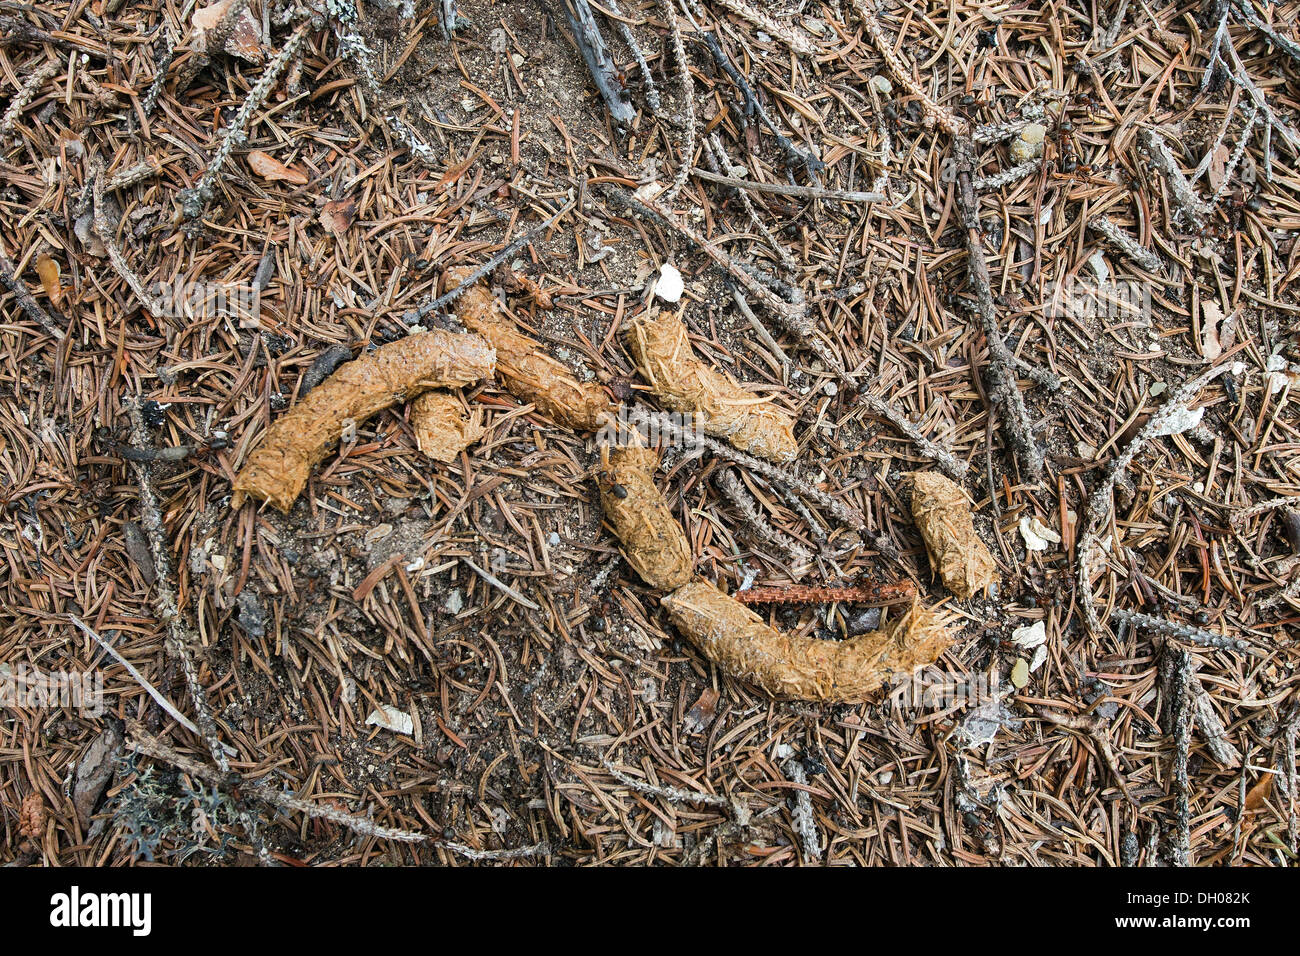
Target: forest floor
541,708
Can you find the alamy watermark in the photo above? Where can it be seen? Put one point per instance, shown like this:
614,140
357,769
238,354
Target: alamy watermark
34,689
936,689
183,299
1114,300
633,426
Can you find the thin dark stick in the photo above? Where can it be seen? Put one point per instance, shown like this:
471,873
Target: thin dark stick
782,189
586,33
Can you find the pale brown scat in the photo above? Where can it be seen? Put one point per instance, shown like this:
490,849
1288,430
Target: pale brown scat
653,541
743,646
442,428
681,381
943,514
527,371
278,469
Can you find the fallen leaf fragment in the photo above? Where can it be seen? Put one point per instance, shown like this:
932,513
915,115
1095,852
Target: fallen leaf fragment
94,771
244,41
48,270
338,215
1038,536
1030,636
268,167
390,718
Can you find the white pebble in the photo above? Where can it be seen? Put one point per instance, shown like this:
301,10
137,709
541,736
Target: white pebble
669,287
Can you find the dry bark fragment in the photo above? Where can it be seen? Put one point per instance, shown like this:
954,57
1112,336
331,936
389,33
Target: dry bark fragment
737,640
528,373
943,515
278,468
442,429
683,383
653,541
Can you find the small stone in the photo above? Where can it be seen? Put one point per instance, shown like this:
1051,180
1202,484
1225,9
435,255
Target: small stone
669,286
882,84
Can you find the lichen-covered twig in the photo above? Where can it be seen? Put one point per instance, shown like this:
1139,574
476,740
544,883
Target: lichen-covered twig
1179,631
1101,500
1140,255
279,467
802,816
942,117
104,231
146,743
1211,727
469,279
1286,45
671,794
1004,389
787,35
1176,678
25,95
1110,35
1238,153
672,430
686,91
196,198
181,638
1007,176
1241,515
129,176
1180,189
625,31
785,189
754,519
941,456
150,98
1223,57
750,106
